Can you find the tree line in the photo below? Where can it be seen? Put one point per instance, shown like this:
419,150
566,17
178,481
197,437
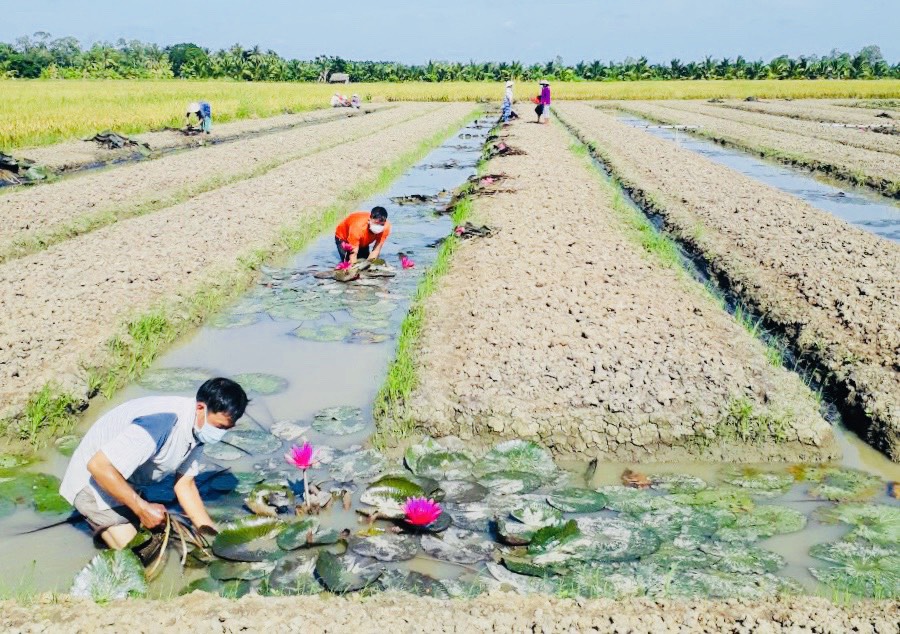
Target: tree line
41,56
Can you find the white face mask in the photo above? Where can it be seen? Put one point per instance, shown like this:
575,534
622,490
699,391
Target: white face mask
209,434
376,229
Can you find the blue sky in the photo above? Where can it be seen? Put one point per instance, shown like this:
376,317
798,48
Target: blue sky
525,30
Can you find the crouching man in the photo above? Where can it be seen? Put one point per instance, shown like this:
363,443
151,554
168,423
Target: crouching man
141,442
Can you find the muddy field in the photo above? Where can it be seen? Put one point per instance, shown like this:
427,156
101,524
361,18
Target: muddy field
818,110
559,329
201,613
77,154
38,215
878,170
834,289
63,304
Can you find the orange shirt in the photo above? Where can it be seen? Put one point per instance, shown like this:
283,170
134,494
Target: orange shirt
355,230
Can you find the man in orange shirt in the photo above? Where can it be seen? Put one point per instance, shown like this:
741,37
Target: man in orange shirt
358,231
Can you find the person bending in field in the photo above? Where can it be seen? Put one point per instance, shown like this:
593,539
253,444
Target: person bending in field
356,234
203,112
141,442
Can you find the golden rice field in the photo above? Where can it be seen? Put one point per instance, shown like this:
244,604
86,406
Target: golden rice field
41,112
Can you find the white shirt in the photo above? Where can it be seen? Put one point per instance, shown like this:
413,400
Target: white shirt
145,439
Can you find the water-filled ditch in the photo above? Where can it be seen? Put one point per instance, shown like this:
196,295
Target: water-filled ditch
313,353
864,209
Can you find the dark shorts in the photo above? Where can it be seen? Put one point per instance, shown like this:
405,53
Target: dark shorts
362,254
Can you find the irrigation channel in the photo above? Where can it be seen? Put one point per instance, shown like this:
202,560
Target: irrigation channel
856,205
313,353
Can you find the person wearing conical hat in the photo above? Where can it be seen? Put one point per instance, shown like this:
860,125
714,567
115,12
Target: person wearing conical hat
544,117
203,111
508,101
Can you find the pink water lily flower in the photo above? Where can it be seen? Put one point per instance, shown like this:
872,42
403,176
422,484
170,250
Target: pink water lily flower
406,262
346,246
459,230
301,457
421,511
343,266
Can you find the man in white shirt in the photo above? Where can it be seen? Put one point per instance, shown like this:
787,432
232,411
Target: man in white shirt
141,442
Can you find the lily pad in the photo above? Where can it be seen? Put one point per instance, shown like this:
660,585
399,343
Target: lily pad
842,484
536,514
678,482
463,491
323,332
293,576
249,539
743,558
389,494
727,498
339,421
518,456
633,501
39,490
357,465
66,445
476,516
288,430
763,521
860,568
877,523
603,539
575,500
515,533
270,498
304,534
414,583
756,482
439,525
553,537
11,461
521,584
112,574
347,573
223,321
174,379
253,442
386,547
458,546
261,383
692,524
510,482
223,452
445,464
222,570
367,336
233,589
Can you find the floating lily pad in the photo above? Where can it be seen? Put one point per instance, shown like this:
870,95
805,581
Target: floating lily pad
221,451
515,533
222,570
390,493
304,534
323,332
224,321
367,336
253,442
463,491
550,538
521,584
518,455
860,568
510,482
39,490
743,558
573,500
536,514
678,482
339,421
458,546
174,379
261,383
691,523
526,567
293,576
357,465
386,547
66,445
445,464
476,516
763,521
842,484
288,430
270,498
233,589
756,482
877,523
466,588
633,501
10,461
297,311
603,539
249,539
727,498
113,574
347,573
414,583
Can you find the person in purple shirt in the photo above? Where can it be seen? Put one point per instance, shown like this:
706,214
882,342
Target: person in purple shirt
545,101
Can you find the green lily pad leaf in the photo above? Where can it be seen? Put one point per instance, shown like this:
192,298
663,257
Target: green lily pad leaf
727,498
756,482
743,558
692,524
222,570
39,490
550,538
113,574
515,533
414,453
253,442
323,332
11,461
521,584
364,336
288,430
414,583
860,568
574,500
718,584
66,445
458,546
763,521
510,482
223,321
463,491
604,539
304,534
233,589
174,379
842,484
601,581
386,547
536,514
357,465
270,499
678,482
466,588
293,576
249,539
672,559
347,573
476,516
261,383
877,523
633,501
525,567
223,452
390,493
339,421
518,455
445,464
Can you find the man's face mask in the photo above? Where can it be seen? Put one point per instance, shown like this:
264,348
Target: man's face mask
375,228
209,434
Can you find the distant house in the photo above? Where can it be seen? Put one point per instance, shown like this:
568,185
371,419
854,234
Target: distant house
339,78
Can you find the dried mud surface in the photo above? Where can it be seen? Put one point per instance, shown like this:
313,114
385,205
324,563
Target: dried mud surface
832,288
120,191
76,154
817,110
864,139
60,306
562,330
201,613
878,170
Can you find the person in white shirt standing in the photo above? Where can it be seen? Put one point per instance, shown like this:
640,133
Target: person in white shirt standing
141,442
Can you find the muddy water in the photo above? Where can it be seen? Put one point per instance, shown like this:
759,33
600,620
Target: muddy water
859,207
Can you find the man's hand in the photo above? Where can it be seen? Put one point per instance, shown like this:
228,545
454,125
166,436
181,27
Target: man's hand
150,514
